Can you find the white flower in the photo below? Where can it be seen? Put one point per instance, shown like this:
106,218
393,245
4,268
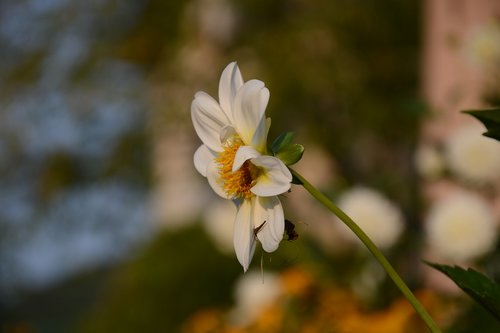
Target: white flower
233,158
253,293
483,45
461,227
219,217
473,156
379,218
428,161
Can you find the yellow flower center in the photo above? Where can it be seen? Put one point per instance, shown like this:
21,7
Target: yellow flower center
236,184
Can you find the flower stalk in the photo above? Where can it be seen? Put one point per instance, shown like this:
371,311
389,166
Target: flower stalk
372,248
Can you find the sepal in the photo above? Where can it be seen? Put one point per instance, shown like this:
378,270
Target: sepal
290,154
281,141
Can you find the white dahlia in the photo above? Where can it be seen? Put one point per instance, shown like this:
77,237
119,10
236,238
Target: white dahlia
473,156
254,292
218,223
234,159
379,218
482,47
461,227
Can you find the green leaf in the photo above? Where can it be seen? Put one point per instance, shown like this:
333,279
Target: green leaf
477,285
491,120
284,139
290,154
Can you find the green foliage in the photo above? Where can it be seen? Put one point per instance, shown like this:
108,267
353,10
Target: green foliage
490,119
474,319
55,309
60,171
156,33
478,286
176,275
343,75
130,158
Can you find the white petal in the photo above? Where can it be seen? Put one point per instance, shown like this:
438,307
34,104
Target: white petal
243,154
214,179
269,210
275,177
208,120
227,132
230,81
259,138
244,238
249,108
202,157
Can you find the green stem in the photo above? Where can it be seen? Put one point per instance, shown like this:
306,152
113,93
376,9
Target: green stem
373,249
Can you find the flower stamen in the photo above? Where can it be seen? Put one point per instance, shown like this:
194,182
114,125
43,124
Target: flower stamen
236,184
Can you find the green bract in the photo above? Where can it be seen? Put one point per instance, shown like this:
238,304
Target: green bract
289,153
281,141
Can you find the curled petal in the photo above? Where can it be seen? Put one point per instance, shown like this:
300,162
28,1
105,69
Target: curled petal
243,154
249,106
230,81
202,157
270,210
275,178
214,180
208,120
259,138
227,132
244,238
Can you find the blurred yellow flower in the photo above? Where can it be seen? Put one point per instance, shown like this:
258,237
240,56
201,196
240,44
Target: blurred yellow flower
296,282
204,321
309,305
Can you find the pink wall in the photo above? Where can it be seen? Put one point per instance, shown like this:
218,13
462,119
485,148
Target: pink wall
451,81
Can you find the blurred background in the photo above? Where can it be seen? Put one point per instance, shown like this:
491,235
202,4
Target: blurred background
105,226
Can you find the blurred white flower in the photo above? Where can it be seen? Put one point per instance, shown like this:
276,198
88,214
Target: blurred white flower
472,156
482,48
428,161
217,19
178,196
379,218
219,219
461,227
253,292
